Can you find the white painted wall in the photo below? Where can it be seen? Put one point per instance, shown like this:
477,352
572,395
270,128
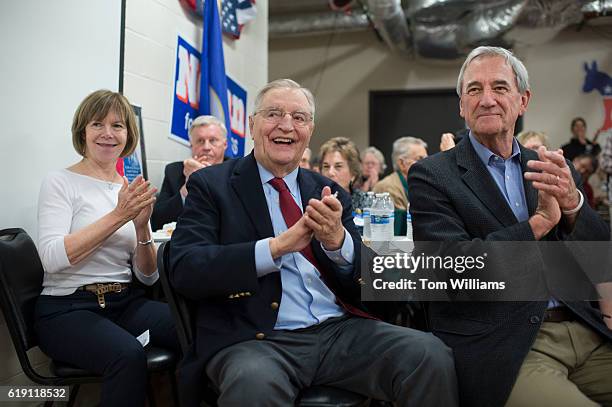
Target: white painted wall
356,63
152,27
53,54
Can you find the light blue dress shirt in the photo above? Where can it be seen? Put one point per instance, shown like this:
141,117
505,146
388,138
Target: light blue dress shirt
508,176
306,300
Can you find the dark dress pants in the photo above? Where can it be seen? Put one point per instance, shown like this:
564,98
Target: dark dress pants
74,329
373,358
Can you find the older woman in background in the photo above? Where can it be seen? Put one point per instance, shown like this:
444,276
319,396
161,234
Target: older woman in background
340,163
372,167
94,237
532,139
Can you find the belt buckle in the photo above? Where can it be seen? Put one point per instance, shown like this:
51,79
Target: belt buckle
116,287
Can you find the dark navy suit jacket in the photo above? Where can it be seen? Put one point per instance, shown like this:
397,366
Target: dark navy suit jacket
212,259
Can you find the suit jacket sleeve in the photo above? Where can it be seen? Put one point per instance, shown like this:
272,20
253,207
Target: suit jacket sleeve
200,266
169,203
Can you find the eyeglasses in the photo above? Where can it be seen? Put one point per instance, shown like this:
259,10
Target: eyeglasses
273,115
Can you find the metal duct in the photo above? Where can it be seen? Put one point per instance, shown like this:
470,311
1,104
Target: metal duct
390,21
551,13
317,23
446,29
482,24
598,7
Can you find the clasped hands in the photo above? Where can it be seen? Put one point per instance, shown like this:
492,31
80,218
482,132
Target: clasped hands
135,201
322,220
190,166
557,191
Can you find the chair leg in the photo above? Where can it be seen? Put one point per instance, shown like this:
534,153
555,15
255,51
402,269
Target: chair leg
74,390
174,386
150,393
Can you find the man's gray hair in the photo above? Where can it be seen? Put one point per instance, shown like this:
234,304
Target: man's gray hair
284,84
402,146
376,153
520,72
207,121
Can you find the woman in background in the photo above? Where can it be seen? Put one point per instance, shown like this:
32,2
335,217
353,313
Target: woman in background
93,238
340,163
372,167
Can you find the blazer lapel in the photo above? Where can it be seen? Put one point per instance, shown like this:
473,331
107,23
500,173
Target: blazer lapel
308,187
531,194
247,185
480,181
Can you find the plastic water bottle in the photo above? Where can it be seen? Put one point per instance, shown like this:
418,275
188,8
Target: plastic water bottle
379,218
367,208
409,226
390,212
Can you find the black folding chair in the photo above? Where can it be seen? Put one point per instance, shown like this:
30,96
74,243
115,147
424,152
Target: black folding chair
21,275
315,396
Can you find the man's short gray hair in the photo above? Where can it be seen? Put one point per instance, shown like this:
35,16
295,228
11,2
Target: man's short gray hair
284,84
207,121
402,146
520,72
376,153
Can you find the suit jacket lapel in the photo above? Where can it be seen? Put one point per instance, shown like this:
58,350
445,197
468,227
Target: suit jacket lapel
531,194
247,185
480,181
308,188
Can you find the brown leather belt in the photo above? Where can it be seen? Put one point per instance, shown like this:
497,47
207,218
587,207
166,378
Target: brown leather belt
558,314
101,289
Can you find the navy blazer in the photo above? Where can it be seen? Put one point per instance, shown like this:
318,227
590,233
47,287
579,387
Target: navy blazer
169,203
212,258
454,198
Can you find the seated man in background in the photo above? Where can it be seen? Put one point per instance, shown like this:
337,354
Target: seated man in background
586,165
305,161
406,151
207,136
269,253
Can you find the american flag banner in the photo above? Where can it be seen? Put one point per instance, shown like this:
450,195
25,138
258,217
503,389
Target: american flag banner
236,13
229,21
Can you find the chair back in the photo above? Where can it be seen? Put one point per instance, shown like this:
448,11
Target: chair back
179,305
21,275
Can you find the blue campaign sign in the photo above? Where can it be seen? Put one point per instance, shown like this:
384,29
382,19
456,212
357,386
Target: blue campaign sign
237,102
186,103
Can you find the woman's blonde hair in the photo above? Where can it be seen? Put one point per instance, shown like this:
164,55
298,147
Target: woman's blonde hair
529,134
95,107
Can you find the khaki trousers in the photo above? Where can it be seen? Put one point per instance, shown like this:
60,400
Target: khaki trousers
568,365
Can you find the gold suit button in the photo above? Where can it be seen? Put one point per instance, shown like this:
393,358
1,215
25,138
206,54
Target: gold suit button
260,336
274,305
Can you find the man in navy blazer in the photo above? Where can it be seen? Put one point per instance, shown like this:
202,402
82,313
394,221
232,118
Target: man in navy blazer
208,139
270,255
539,353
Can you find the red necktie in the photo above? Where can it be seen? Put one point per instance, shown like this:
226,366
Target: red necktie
292,213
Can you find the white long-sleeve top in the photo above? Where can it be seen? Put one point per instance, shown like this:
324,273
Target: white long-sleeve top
67,203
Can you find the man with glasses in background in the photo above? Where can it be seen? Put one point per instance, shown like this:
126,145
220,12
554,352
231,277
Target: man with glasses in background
208,138
269,253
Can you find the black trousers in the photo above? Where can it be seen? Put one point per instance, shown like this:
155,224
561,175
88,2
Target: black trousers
75,330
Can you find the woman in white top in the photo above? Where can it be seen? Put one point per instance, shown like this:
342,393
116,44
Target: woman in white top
94,236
